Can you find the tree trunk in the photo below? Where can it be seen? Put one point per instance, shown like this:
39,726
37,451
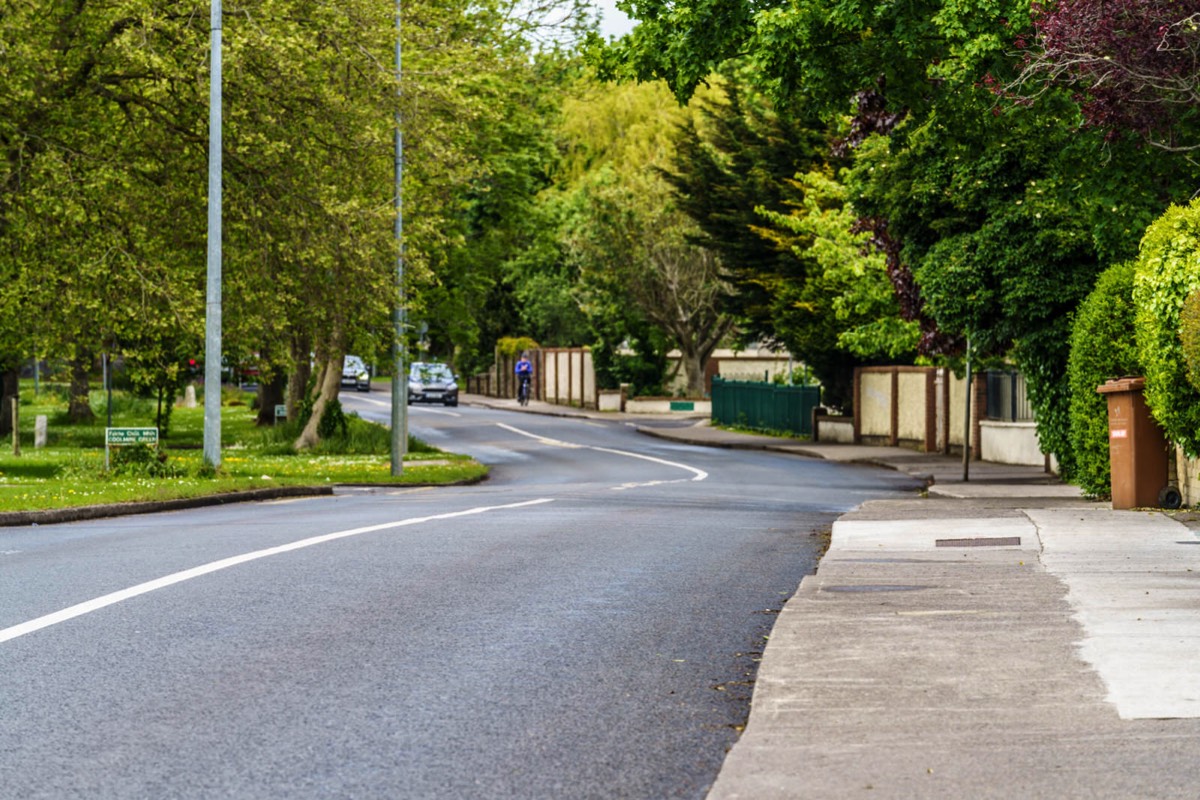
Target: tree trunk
301,372
270,394
693,371
331,382
79,409
10,382
322,372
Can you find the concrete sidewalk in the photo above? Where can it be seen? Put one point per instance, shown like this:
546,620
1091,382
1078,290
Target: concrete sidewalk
998,638
943,473
1002,637
948,650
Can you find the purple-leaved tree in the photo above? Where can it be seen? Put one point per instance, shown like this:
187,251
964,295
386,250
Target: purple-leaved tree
1134,64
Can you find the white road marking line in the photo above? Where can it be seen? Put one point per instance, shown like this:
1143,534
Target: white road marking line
435,411
698,473
104,601
546,440
388,404
625,486
375,402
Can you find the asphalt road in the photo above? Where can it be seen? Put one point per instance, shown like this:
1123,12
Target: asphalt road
584,624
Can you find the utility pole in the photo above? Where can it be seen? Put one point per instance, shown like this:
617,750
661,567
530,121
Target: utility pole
967,423
400,374
212,319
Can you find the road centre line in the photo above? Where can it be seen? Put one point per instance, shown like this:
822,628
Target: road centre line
388,404
112,598
626,486
698,473
374,402
434,411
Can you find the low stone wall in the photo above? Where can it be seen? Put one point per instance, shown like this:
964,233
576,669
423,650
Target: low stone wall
834,429
610,400
1187,473
1010,443
665,405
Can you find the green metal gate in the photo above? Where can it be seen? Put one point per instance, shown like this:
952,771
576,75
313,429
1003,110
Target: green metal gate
764,406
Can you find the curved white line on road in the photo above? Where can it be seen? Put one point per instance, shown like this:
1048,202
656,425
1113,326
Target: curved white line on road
698,473
625,486
204,569
546,440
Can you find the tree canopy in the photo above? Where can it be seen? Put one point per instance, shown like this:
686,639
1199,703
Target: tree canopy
985,151
103,123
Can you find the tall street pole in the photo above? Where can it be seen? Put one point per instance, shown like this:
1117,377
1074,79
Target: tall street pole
399,372
967,423
212,321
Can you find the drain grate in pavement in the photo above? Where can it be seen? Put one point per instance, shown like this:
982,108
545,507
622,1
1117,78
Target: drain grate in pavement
994,541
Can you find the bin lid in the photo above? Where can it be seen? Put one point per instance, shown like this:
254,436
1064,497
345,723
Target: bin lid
1128,384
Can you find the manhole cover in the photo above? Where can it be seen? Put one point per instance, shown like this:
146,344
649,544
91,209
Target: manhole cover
873,587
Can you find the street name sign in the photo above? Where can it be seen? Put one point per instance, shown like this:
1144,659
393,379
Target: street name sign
125,436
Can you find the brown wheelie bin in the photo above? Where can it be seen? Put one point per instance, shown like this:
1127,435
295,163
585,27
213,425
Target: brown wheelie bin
1137,449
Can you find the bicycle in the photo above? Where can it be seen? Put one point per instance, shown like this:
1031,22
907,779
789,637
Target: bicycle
523,391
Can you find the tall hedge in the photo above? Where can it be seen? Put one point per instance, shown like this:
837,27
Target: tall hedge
1189,337
1102,347
1168,271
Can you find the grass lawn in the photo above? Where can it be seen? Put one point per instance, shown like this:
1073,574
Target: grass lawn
70,471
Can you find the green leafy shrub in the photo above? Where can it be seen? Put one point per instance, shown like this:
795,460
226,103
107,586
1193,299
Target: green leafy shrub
1102,347
511,347
123,403
644,375
142,461
333,421
643,366
362,437
1168,270
1189,337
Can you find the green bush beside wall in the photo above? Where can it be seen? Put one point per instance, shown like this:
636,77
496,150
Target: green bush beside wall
1102,347
1189,337
1168,271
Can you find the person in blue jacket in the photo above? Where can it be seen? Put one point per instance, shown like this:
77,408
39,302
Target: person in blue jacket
524,371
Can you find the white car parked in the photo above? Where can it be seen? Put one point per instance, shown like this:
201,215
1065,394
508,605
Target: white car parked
356,374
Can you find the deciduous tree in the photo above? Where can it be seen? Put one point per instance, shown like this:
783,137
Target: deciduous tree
1134,63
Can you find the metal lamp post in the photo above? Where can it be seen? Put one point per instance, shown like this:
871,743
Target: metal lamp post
399,376
212,320
212,333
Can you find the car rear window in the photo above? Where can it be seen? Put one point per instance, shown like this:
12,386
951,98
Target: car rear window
432,372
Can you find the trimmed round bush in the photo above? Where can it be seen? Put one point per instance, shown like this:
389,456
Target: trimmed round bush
1168,271
1102,347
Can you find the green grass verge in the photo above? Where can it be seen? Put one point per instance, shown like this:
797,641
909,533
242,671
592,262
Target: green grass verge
70,471
762,432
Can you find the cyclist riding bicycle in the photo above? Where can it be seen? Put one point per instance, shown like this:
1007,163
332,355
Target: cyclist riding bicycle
524,371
